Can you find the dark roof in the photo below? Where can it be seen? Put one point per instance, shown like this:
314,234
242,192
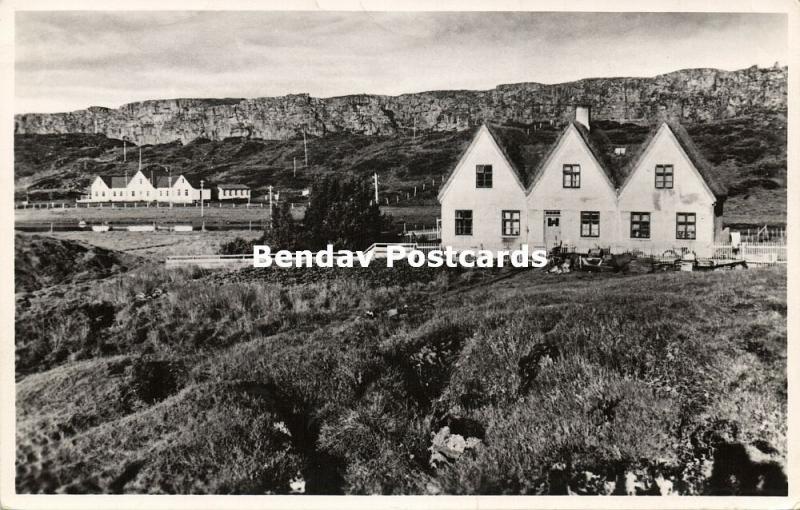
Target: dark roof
106,179
528,149
522,148
232,186
117,181
703,166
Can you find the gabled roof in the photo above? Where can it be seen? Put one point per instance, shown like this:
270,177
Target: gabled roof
522,148
106,179
232,186
120,181
702,165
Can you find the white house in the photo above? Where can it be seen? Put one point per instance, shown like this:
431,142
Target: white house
512,187
139,188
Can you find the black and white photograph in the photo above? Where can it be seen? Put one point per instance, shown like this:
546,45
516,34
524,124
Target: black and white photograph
382,251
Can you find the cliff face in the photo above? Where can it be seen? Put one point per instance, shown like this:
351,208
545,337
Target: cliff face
689,96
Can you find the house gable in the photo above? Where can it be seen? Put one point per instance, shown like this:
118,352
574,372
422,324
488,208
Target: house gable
689,185
484,149
570,149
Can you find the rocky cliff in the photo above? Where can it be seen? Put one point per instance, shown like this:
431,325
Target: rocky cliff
689,95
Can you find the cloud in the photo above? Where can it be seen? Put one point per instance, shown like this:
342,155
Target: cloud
67,60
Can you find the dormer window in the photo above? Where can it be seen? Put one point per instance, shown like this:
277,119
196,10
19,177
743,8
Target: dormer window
664,176
572,176
483,176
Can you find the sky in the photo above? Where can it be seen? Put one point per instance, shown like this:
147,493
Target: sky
66,61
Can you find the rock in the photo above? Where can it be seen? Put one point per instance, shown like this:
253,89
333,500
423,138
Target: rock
392,313
689,95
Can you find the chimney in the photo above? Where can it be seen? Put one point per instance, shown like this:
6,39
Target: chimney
583,114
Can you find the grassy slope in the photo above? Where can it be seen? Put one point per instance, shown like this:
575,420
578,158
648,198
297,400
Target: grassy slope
234,382
750,154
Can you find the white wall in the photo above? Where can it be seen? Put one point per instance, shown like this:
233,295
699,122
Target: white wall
689,194
486,204
595,194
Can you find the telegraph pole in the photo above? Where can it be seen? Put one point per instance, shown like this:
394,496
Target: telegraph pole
124,150
305,148
140,158
270,201
169,182
294,167
375,178
201,197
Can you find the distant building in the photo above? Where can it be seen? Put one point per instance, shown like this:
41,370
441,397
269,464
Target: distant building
232,192
140,188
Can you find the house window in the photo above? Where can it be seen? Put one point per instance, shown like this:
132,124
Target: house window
590,224
572,176
685,226
96,194
640,225
510,223
463,222
483,176
140,181
115,193
104,193
133,193
664,176
186,192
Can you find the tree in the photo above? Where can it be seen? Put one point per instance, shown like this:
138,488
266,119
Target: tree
284,234
341,212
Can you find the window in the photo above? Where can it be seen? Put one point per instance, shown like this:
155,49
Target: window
483,176
463,222
664,176
115,193
640,225
590,224
104,193
96,194
572,176
510,223
186,192
685,226
140,181
133,193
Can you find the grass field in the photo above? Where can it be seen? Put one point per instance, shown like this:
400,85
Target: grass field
186,381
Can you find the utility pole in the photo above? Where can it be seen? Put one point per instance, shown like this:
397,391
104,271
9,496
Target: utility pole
124,149
140,158
305,148
294,167
414,135
169,182
270,200
201,197
375,178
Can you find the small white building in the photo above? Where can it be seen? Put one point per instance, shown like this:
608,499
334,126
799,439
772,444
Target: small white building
177,189
230,192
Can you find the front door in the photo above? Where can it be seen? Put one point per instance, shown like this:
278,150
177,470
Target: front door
552,229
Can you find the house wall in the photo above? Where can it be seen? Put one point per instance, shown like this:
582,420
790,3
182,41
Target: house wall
99,191
181,192
689,194
595,194
140,189
486,204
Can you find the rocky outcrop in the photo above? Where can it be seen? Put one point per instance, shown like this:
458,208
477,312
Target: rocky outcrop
688,95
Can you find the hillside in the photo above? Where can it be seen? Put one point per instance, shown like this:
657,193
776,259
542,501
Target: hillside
690,95
749,154
43,261
389,381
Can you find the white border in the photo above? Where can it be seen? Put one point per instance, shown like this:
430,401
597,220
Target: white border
7,405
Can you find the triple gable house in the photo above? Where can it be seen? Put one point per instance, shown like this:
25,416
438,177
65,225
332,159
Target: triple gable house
651,192
140,188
